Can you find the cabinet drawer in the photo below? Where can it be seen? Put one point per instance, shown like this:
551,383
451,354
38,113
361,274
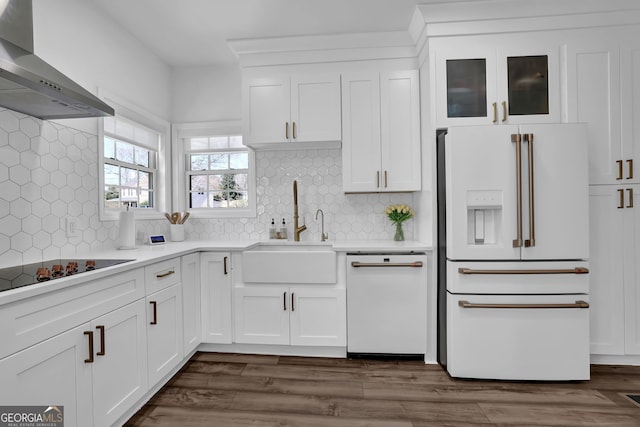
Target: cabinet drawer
27,322
162,275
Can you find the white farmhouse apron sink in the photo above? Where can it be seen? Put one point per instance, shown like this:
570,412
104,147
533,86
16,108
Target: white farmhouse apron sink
289,263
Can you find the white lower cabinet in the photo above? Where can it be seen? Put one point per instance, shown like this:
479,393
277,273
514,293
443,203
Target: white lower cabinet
216,297
97,371
53,372
191,302
119,368
301,315
614,271
164,331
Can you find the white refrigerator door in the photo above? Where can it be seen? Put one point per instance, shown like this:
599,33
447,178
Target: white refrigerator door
560,220
481,193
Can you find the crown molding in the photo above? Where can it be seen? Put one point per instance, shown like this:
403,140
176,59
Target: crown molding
323,48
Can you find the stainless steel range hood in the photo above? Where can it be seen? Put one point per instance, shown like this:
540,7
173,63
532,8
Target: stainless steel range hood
30,85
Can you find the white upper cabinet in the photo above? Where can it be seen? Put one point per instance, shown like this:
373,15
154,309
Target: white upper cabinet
300,108
481,80
381,132
604,92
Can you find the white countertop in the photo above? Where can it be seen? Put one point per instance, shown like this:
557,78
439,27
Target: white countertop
146,254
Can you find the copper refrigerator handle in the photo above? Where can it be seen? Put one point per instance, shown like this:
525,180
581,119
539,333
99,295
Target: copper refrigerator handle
517,138
357,264
90,358
576,270
577,304
531,241
101,329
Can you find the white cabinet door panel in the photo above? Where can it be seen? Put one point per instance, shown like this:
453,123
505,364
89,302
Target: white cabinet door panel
53,372
120,375
191,302
318,316
216,297
262,315
315,108
266,110
164,332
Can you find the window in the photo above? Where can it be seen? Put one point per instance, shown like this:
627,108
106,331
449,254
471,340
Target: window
133,160
130,164
218,171
218,177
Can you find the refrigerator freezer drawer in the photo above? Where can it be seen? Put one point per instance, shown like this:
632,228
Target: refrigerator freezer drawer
553,277
518,337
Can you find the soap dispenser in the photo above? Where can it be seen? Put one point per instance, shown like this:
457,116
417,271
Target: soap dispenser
272,229
283,230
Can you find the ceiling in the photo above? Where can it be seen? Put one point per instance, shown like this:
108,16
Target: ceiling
190,33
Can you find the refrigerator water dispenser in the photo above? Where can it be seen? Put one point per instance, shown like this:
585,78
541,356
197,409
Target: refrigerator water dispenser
484,215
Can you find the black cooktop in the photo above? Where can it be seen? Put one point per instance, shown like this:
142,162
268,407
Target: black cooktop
39,272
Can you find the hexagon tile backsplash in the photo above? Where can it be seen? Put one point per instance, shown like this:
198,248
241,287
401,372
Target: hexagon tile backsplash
49,172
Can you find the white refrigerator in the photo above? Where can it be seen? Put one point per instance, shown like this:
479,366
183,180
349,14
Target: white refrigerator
513,233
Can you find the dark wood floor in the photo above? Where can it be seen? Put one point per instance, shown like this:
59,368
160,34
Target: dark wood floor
229,390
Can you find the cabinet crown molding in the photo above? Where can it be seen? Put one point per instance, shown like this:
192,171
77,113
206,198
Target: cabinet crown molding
323,48
505,16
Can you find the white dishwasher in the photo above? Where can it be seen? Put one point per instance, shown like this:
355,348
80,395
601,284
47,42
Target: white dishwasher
386,305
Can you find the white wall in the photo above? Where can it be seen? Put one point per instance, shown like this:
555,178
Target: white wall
207,93
90,48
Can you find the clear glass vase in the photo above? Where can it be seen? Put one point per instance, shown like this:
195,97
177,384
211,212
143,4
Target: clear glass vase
399,236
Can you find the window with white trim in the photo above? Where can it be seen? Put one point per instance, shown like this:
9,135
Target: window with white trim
130,164
217,173
216,178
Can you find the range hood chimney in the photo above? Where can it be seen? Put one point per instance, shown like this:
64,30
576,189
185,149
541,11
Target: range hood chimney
27,83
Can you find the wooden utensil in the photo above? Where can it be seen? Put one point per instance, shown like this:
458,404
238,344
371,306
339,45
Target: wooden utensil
166,214
175,217
185,217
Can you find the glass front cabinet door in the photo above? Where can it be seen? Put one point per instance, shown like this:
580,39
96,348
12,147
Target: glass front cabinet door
496,87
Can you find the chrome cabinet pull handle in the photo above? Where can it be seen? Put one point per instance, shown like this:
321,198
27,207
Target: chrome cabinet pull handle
532,228
162,275
577,304
517,138
90,358
576,270
101,329
155,313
